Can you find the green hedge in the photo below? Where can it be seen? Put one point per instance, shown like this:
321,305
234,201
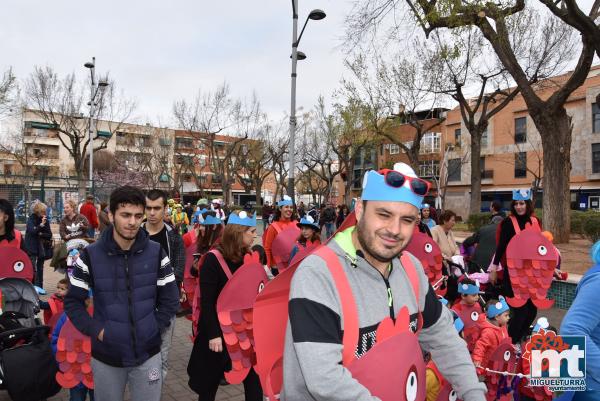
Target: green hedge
478,220
591,227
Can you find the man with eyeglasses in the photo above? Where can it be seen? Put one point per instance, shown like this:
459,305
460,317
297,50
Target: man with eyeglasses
368,255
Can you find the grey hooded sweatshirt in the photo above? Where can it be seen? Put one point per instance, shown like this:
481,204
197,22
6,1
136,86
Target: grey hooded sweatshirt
312,368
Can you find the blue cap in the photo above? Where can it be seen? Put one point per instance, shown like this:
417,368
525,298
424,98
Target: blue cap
499,307
521,194
211,220
310,222
242,219
468,289
375,188
286,201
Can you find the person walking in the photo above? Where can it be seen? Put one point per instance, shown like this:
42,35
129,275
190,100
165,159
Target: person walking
88,209
38,242
522,212
368,257
285,217
135,299
342,213
103,220
267,211
209,359
73,225
328,220
172,244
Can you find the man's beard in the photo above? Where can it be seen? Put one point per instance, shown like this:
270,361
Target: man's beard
367,239
121,234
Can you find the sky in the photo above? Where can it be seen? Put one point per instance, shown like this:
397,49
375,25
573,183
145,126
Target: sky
159,51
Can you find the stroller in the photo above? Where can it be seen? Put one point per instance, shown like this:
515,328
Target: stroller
27,365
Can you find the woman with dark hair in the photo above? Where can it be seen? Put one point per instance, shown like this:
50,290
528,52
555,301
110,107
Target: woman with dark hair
209,359
521,209
208,234
8,235
426,216
310,235
285,217
37,242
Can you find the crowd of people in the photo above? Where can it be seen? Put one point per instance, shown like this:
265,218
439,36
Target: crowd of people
147,257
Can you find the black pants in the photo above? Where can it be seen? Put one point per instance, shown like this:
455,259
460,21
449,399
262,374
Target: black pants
38,270
252,389
520,321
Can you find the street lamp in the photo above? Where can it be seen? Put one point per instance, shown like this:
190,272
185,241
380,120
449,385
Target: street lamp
95,89
296,55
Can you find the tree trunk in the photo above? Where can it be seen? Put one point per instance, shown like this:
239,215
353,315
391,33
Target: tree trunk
258,189
475,203
555,126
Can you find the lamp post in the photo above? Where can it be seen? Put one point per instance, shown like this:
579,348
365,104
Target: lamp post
296,55
95,88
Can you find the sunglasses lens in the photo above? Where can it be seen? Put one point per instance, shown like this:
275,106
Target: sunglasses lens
394,179
419,187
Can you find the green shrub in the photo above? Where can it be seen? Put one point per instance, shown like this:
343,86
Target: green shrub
591,227
478,220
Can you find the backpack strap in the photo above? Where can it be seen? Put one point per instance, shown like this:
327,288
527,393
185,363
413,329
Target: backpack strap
515,224
277,226
535,223
53,305
349,310
413,277
222,262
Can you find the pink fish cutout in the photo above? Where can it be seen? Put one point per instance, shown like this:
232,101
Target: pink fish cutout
74,355
394,368
425,249
282,246
15,263
234,309
531,260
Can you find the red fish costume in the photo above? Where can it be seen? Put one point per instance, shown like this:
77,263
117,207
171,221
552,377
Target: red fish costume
503,359
472,317
15,263
531,259
424,248
74,355
234,309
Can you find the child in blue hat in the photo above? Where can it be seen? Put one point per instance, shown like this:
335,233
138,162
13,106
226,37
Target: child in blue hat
309,235
493,331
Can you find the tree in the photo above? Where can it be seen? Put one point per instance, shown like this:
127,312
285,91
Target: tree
402,85
61,102
205,118
8,91
545,100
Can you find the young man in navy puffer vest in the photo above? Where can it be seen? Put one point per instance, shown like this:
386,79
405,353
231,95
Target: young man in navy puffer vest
135,299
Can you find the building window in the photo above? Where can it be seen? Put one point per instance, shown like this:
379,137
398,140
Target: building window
596,158
520,165
184,143
484,138
521,130
357,179
394,149
431,143
457,137
454,170
595,118
429,168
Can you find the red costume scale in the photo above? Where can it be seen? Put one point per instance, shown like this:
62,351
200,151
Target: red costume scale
74,355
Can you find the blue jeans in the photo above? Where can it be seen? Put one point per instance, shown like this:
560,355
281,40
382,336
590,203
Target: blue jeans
329,229
79,393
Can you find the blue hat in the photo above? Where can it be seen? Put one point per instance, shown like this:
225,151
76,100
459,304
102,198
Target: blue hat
443,300
468,289
310,222
204,210
242,219
541,323
375,188
499,307
425,206
286,201
521,194
211,220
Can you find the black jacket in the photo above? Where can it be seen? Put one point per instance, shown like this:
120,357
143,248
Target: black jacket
35,233
135,298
